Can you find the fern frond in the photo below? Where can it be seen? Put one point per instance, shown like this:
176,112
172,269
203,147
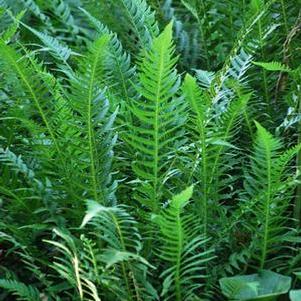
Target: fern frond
234,71
183,249
187,39
34,8
35,85
273,66
70,269
142,21
123,245
88,99
22,291
11,29
158,117
54,46
212,134
16,163
121,72
268,190
62,10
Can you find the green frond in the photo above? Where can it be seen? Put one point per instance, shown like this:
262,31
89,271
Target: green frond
11,29
182,248
204,77
19,289
95,123
121,71
268,191
35,83
9,158
62,10
54,46
213,133
158,116
70,268
273,66
115,227
34,8
186,36
235,70
117,223
142,21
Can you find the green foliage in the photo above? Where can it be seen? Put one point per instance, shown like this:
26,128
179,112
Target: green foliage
158,114
119,106
273,66
264,193
89,101
183,249
265,285
22,291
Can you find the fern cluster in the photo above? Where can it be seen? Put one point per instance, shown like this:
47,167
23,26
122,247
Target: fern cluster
149,150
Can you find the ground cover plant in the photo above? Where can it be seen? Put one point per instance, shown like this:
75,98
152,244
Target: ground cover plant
150,150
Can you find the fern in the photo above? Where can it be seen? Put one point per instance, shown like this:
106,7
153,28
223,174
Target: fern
11,29
268,188
58,50
94,110
34,8
187,40
63,11
121,72
142,20
69,267
35,86
158,116
89,100
22,291
9,158
212,134
182,248
273,66
118,230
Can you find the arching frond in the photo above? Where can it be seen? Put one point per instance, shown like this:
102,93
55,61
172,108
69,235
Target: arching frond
56,48
37,86
62,10
121,71
34,8
187,39
69,267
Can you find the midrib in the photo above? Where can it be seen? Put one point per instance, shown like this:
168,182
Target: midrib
267,207
156,129
90,131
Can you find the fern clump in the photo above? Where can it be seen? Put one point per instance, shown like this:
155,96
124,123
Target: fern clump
149,150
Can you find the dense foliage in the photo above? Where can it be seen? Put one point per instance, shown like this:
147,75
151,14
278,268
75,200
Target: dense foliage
150,150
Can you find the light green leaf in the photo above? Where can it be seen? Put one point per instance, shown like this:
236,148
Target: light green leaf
264,286
273,66
295,295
